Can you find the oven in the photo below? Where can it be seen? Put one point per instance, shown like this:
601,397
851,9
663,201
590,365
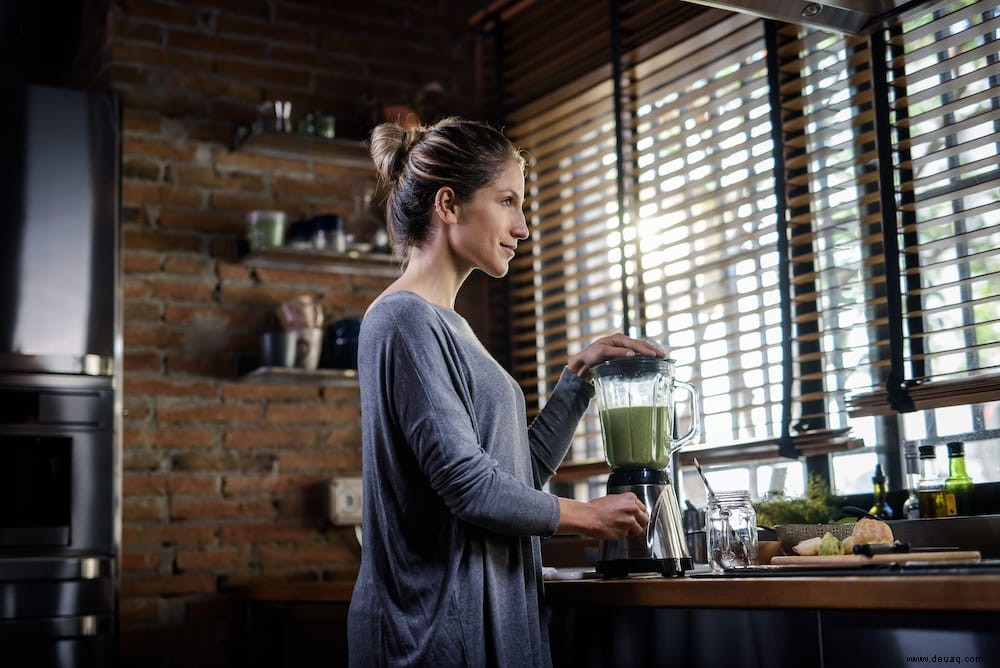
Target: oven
58,536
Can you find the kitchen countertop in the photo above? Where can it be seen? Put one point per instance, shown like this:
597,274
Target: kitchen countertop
978,592
958,591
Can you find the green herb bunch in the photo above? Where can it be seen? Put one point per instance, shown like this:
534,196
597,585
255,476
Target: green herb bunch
818,506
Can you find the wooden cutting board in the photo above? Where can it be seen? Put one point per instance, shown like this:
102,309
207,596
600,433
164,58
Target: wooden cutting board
858,560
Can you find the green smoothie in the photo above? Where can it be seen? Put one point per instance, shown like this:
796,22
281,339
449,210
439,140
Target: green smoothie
637,436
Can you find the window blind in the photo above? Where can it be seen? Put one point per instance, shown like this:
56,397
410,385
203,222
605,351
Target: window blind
707,263
944,66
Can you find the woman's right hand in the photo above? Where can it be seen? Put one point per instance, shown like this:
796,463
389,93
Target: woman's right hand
607,517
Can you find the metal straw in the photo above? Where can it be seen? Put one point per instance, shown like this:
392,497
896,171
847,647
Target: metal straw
711,494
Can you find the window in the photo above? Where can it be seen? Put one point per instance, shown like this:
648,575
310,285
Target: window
807,221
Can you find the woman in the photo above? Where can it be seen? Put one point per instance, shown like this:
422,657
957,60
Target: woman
453,508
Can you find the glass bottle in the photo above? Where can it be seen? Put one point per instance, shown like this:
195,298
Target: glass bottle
880,508
958,484
930,489
911,507
731,531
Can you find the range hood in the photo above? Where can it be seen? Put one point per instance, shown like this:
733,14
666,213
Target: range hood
854,17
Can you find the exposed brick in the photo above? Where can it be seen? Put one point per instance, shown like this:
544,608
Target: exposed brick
211,317
307,414
304,460
229,271
185,290
235,25
192,265
141,169
142,508
138,53
137,335
157,241
170,438
206,462
140,263
276,556
186,219
184,508
167,386
135,484
212,412
168,534
167,585
272,391
136,459
244,484
145,193
209,177
222,461
215,558
157,148
136,288
145,312
270,295
266,533
159,12
340,394
216,45
241,202
192,484
216,365
140,561
263,437
141,360
257,71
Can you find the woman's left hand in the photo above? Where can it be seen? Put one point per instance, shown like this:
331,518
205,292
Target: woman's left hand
611,347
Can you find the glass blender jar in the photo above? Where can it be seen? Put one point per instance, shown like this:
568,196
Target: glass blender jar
637,408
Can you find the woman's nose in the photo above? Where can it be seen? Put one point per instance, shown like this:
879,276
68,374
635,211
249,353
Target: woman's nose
521,230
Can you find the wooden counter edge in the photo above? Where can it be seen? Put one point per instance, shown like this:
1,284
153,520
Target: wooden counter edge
912,592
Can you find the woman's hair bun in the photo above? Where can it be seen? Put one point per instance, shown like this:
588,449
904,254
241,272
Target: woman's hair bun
390,145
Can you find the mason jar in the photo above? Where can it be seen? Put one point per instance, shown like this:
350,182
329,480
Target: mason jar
731,531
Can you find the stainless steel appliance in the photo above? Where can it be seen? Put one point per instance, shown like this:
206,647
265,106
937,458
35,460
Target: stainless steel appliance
635,401
60,343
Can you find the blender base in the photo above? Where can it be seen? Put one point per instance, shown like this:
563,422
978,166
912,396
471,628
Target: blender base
613,569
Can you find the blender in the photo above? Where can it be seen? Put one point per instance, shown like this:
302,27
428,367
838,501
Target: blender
636,406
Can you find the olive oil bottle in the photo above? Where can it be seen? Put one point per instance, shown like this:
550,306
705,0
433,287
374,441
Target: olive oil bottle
958,484
911,507
880,508
930,489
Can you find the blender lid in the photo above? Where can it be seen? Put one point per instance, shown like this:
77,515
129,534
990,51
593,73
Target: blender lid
634,366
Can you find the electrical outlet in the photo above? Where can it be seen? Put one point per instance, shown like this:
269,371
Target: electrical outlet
344,501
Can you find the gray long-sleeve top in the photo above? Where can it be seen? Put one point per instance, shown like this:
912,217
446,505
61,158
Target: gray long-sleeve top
453,508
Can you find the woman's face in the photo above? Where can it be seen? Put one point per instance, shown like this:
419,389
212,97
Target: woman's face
491,223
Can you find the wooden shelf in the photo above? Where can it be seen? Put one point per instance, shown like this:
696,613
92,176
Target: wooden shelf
351,262
282,374
348,152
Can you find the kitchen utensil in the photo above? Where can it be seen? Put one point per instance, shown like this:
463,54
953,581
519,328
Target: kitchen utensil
300,313
636,405
701,473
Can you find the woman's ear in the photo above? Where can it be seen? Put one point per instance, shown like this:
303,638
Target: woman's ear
446,205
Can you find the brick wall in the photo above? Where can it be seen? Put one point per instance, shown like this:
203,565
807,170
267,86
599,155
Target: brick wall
222,478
